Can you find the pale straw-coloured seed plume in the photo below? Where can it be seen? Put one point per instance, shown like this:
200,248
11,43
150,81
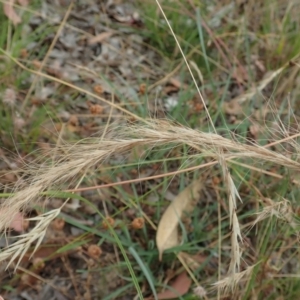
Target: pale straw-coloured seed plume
17,250
282,210
236,236
228,283
71,160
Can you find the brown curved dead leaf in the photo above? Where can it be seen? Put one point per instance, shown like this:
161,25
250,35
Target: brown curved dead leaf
167,231
180,287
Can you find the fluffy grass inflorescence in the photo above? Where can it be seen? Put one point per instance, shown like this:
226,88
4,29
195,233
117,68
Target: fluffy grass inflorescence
71,160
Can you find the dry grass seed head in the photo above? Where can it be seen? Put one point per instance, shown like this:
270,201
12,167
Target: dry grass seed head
71,160
281,210
230,282
18,249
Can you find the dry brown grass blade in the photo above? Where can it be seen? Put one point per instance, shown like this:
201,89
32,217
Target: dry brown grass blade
167,231
234,105
260,86
54,41
73,86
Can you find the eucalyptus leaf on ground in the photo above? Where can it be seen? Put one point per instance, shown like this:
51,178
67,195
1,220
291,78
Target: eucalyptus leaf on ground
167,232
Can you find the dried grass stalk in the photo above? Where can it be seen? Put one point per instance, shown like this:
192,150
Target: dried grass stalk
71,160
229,283
18,249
